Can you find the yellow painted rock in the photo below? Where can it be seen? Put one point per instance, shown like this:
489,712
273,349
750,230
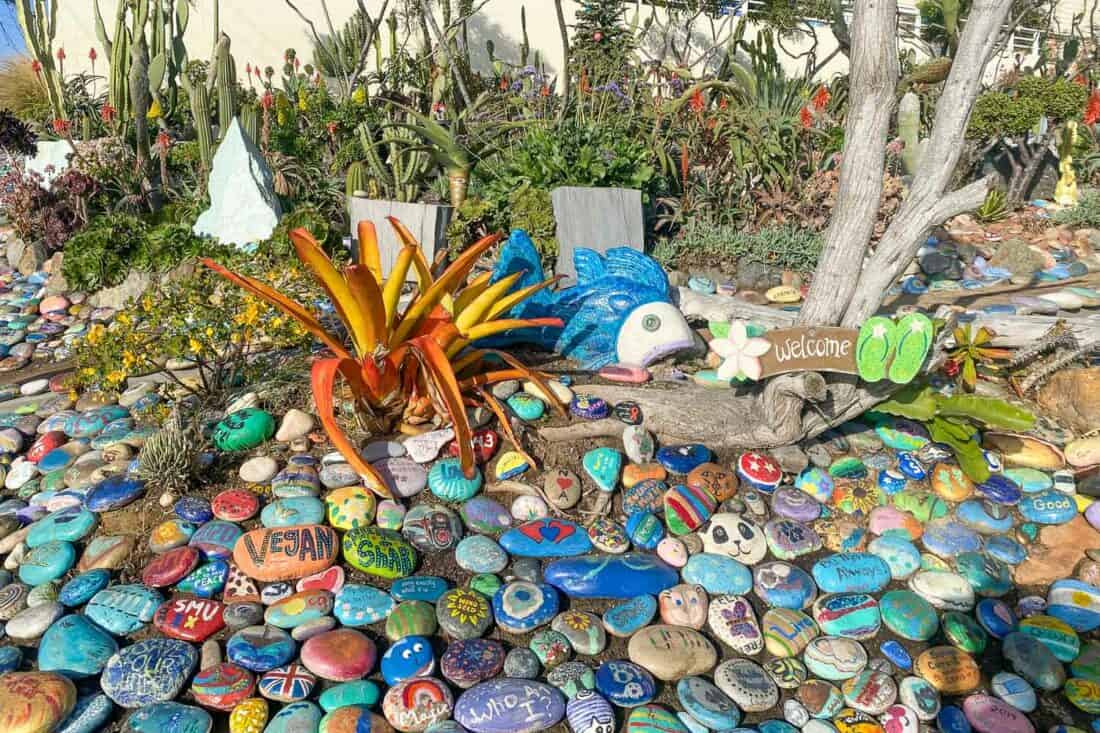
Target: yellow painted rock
950,670
34,702
783,294
250,716
951,483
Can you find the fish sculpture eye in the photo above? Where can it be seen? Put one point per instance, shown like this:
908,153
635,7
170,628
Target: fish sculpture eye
651,323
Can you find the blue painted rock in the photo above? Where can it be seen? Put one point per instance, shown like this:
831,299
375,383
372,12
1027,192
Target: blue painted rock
625,618
851,572
484,515
908,615
260,648
589,711
718,574
951,719
645,530
293,510
1076,603
123,609
835,658
854,615
603,466
359,605
901,555
75,647
590,408
1005,549
68,525
379,552
1014,690
625,684
11,657
418,588
149,671
470,661
550,537
996,617
896,653
193,509
911,466
789,539
1000,489
299,608
683,458
90,714
47,562
1048,507
285,553
189,619
1032,660
173,716
244,430
80,589
646,495
521,606
984,516
602,576
787,631
113,493
1030,480
707,704
782,585
986,575
447,481
358,692
206,580
300,716
947,539
509,706
759,471
216,538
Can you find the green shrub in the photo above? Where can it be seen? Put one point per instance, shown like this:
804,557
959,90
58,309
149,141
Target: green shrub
101,256
1085,214
788,247
999,114
532,210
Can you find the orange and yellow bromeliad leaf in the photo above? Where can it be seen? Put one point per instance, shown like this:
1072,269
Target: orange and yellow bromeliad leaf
445,383
369,255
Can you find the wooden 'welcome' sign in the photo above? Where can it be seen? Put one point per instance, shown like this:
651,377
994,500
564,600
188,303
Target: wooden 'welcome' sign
809,349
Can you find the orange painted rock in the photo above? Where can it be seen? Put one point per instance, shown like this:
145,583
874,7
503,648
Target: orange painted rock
31,702
719,482
951,483
636,472
950,670
285,553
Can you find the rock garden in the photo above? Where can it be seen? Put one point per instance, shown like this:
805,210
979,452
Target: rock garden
665,392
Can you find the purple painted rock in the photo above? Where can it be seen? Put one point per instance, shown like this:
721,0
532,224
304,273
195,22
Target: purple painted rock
507,705
470,661
990,715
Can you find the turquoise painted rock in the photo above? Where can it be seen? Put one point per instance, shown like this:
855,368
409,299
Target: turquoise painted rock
853,615
1032,660
527,407
625,618
380,552
123,609
359,605
480,554
359,692
895,549
603,465
1047,507
908,615
48,561
1031,480
292,511
75,647
80,589
170,716
244,430
71,524
851,572
447,480
718,574
298,716
987,576
89,716
834,658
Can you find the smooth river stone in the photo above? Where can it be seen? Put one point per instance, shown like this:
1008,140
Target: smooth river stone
507,705
33,702
834,658
619,576
672,652
747,684
379,552
285,553
718,574
950,670
340,655
851,572
945,590
149,671
854,615
987,714
75,647
1032,660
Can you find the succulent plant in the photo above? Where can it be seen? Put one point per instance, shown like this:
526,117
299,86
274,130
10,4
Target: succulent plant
15,136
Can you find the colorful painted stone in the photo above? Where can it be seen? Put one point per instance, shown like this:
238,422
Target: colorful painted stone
921,697
608,535
469,661
682,459
986,575
746,683
684,605
671,652
379,552
735,536
243,430
48,561
546,538
1055,634
527,407
357,692
216,538
510,465
782,585
854,615
717,481
289,683
248,716
999,489
717,573
75,647
654,719
293,511
759,471
1005,549
484,515
964,632
949,670
687,508
431,528
789,539
123,609
222,686
787,631
834,658
171,567
924,505
521,606
644,530
359,605
286,553
189,619
34,701
908,615
416,704
621,576
625,618
447,481
1084,695
71,524
90,714
1076,603
625,684
857,497
851,573
463,613
896,654
816,483
509,706
149,671
339,655
733,621
603,465
260,648
996,617
80,589
1014,690
899,554
871,691
589,711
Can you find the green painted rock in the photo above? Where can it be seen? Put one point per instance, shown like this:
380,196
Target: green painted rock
380,552
411,618
244,430
358,692
964,632
924,505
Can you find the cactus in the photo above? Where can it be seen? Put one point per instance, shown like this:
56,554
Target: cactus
250,121
397,177
225,82
909,132
358,178
39,24
200,110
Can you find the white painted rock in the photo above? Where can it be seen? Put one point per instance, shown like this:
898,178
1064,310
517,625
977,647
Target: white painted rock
243,206
36,386
426,446
296,424
20,473
32,622
259,470
560,391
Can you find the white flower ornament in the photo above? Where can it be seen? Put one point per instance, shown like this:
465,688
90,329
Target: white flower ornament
740,353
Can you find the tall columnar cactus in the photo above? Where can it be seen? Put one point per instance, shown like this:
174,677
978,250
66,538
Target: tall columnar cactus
909,132
200,111
357,179
250,121
38,21
225,83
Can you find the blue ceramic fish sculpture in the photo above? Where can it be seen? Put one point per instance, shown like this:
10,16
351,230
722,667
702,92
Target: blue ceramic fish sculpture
620,310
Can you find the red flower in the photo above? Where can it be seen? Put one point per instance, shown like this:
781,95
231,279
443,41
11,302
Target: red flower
248,69
61,54
267,101
821,98
92,54
503,83
951,368
36,67
697,101
723,103
597,36
60,127
332,128
1081,80
806,117
164,141
107,113
1092,109
545,91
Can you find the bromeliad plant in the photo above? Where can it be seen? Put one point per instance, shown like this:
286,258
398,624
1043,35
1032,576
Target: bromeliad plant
410,363
971,348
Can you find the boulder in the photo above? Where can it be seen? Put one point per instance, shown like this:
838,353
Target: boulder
27,257
1059,550
1017,256
136,283
243,207
1072,396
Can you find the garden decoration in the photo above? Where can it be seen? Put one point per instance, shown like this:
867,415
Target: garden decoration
620,311
1065,192
406,365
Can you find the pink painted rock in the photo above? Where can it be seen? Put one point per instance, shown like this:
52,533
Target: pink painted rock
189,619
171,567
990,715
286,553
626,373
235,505
331,580
340,655
46,443
886,518
53,304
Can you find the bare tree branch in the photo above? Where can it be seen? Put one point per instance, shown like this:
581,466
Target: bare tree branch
445,49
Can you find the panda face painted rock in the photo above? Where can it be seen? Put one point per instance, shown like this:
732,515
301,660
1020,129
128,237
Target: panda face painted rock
735,536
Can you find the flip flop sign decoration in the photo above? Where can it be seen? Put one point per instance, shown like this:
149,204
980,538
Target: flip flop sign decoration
881,349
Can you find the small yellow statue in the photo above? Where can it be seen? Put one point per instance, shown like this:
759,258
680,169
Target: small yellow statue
1065,193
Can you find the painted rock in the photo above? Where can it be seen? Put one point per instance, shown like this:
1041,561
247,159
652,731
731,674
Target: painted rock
944,590
1076,603
787,631
908,615
589,711
411,618
637,473
299,608
603,465
949,670
964,632
687,508
546,538
948,538
783,585
871,691
509,706
718,574
731,618
75,647
671,652
69,525
982,515
898,553
996,617
484,515
822,699
350,507
358,692
47,562
171,716
521,606
717,481
607,535
989,715
249,716
293,510
425,447
170,534
416,704
217,538
405,477
789,539
447,481
683,605
305,716
80,589
340,655
90,714
735,536
854,615
34,701
746,683
189,619
1084,694
851,573
1032,660
149,671
170,568
260,648
418,588
759,471
1014,690
286,553
834,658
1005,549
986,575
463,613
653,718
625,684
289,683
359,605
431,528
470,661
624,619
410,656
244,430
123,609
583,631
706,703
222,686
601,576
480,554
924,505
379,552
